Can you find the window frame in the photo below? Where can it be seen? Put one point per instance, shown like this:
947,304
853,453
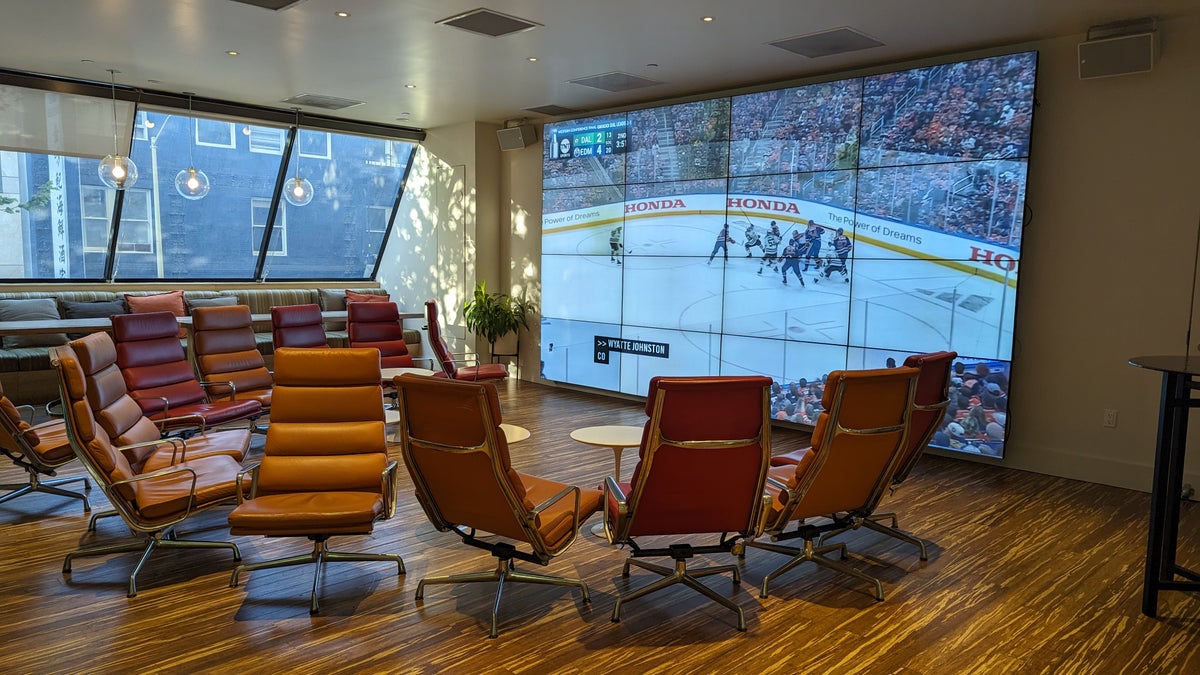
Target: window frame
280,226
229,125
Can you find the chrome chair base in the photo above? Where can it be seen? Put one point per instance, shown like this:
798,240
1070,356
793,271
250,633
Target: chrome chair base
36,484
875,522
319,556
681,575
814,554
153,542
505,571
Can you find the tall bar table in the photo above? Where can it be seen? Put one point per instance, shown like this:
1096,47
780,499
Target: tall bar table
1162,573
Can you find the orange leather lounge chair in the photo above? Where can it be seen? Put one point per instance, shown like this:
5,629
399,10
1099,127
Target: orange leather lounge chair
39,450
151,503
857,444
702,464
929,405
458,458
450,368
159,376
298,326
325,469
227,359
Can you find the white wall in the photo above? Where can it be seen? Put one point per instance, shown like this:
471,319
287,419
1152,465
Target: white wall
1107,266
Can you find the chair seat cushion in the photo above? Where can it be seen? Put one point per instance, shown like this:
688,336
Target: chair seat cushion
556,523
161,497
306,513
215,413
52,445
484,371
788,474
231,442
794,457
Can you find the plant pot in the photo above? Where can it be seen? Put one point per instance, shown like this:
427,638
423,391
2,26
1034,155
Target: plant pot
507,345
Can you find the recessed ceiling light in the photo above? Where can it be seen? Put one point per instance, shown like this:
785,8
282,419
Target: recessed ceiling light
232,52
410,86
706,19
532,59
343,15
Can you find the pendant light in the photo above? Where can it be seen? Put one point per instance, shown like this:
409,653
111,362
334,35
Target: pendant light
191,183
116,170
298,191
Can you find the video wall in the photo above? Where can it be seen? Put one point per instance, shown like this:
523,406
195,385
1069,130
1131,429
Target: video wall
789,233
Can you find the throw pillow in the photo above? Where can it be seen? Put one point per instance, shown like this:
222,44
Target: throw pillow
331,300
220,301
32,309
101,309
352,296
161,302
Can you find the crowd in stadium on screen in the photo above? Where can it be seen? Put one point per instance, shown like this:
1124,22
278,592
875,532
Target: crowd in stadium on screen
975,416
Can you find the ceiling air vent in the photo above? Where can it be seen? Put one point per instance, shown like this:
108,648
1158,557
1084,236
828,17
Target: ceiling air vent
270,4
488,22
827,43
551,110
322,101
615,81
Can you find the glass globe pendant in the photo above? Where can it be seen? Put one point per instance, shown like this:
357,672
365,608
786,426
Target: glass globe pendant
192,183
298,191
116,170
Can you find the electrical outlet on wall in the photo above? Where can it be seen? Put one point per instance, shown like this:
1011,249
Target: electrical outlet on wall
1110,418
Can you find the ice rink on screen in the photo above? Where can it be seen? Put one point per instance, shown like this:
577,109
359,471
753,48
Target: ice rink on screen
665,286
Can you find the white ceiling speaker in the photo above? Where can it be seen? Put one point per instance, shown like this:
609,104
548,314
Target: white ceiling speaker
516,138
1118,49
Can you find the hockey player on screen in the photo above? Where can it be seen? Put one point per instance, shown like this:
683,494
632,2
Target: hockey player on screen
841,248
752,240
770,249
723,239
812,240
791,257
614,242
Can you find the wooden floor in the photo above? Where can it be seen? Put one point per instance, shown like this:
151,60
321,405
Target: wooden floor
1028,574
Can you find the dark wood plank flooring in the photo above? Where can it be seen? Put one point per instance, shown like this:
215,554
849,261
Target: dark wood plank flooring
1027,574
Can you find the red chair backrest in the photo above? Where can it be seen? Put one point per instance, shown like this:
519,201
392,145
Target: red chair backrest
703,458
441,351
152,360
226,351
377,325
297,326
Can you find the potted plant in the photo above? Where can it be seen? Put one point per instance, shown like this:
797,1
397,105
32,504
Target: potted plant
492,316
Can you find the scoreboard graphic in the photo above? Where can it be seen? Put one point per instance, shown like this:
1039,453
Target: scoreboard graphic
592,139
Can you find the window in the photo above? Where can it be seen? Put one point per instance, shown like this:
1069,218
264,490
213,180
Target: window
266,140
95,205
377,218
259,208
214,133
314,144
141,127
137,230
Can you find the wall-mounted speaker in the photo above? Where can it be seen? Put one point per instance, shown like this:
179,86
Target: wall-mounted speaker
515,138
1117,55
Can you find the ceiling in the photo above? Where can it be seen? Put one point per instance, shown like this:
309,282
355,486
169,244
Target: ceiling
458,76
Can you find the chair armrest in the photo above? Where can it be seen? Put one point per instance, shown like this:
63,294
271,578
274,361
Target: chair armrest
227,383
175,442
389,489
166,471
196,419
26,407
531,517
166,403
611,487
251,471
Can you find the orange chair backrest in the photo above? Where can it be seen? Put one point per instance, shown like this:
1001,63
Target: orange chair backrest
441,350
703,458
458,456
857,440
929,405
327,427
116,412
89,440
225,348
